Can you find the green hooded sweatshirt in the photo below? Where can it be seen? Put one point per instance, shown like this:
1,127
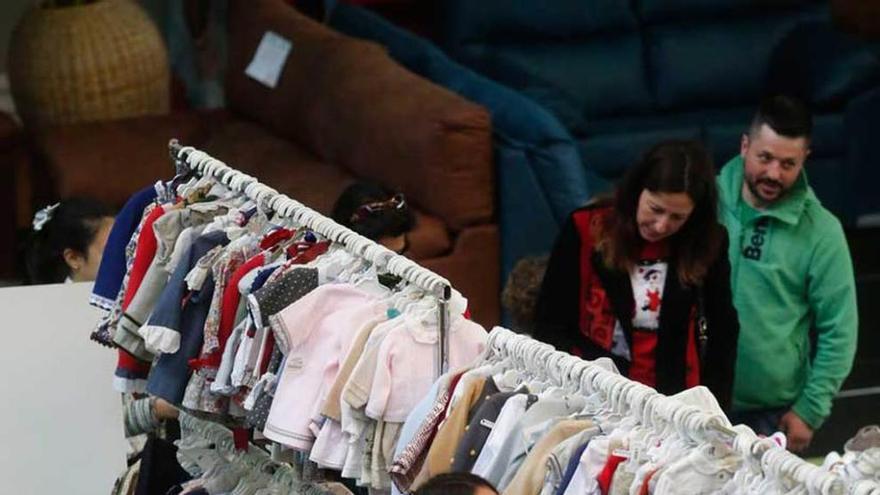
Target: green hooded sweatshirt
790,271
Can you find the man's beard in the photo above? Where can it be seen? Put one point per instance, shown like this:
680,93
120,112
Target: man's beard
752,184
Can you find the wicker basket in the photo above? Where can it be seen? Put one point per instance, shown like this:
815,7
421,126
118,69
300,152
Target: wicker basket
98,61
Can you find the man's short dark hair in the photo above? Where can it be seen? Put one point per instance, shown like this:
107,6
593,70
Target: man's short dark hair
786,115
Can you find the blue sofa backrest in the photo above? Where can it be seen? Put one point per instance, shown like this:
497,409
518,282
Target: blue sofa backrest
599,72
715,54
613,58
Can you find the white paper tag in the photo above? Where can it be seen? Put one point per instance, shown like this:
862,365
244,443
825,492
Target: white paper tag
488,424
269,59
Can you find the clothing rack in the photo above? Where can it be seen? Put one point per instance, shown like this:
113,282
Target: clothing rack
650,406
188,159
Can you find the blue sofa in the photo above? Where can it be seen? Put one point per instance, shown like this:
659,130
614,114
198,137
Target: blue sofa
539,176
623,74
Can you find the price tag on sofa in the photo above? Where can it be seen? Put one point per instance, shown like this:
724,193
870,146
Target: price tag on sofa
269,59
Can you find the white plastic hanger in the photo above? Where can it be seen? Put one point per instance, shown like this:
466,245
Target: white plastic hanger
540,361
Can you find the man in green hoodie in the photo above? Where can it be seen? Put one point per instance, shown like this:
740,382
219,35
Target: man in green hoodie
790,273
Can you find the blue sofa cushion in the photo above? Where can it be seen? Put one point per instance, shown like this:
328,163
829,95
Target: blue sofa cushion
714,64
601,76
509,20
609,155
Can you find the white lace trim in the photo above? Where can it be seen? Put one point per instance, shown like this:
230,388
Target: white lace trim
102,302
129,385
159,339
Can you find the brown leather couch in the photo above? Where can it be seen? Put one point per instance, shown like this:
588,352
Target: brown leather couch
342,110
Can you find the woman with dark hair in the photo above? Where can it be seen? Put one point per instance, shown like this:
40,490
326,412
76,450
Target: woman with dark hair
457,484
643,278
67,241
377,213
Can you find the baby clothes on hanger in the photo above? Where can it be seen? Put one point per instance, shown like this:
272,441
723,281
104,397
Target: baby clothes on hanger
331,444
332,407
439,455
277,294
183,312
113,261
126,337
355,395
245,354
510,413
131,372
167,229
478,429
259,341
401,375
529,477
530,428
303,324
701,471
198,396
568,473
409,457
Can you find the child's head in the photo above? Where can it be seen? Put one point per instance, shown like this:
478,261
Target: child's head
375,212
67,241
521,291
457,484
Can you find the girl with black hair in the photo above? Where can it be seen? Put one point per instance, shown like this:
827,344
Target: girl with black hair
377,213
644,278
67,241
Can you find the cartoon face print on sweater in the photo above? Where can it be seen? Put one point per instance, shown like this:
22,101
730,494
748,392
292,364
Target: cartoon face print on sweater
648,279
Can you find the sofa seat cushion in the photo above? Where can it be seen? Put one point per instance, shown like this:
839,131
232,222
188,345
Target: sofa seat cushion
292,170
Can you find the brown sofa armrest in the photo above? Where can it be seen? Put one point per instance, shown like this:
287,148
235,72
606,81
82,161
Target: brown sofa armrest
294,171
472,268
348,102
111,160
